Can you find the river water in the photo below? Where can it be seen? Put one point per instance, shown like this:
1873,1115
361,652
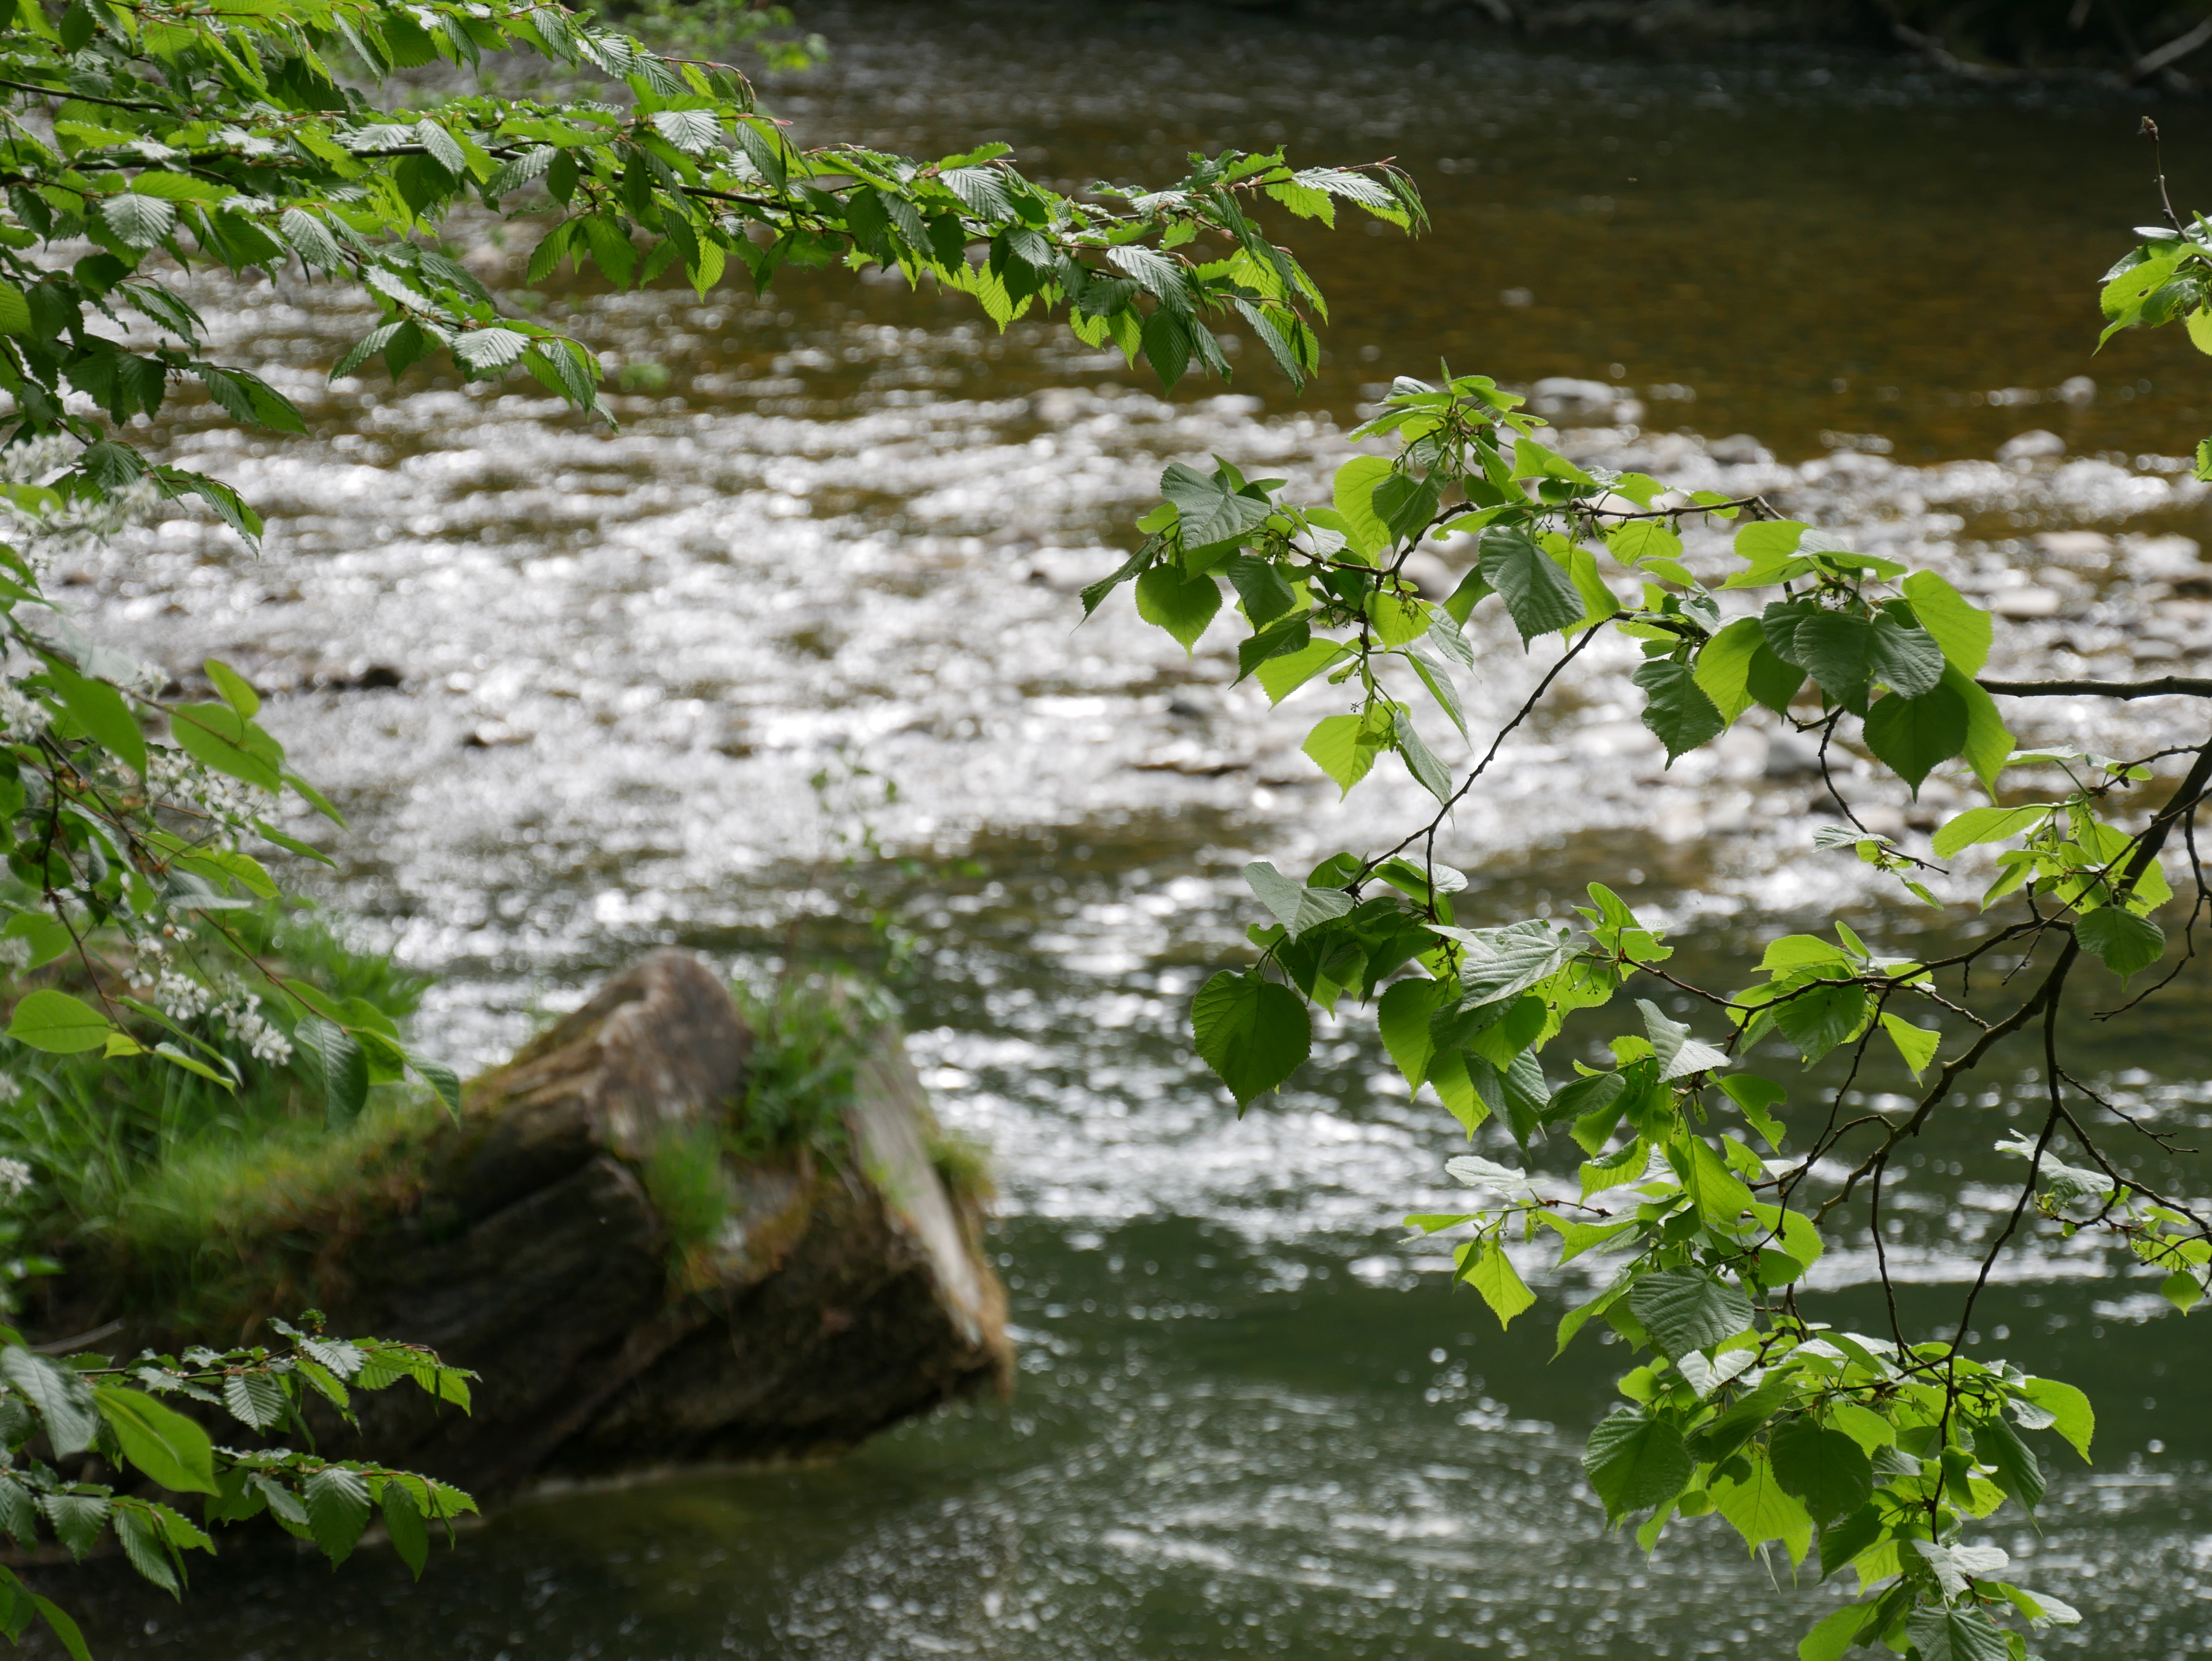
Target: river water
844,520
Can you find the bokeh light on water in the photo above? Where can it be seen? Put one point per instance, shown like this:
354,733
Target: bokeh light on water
570,686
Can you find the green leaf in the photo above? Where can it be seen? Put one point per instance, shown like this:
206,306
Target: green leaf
1676,707
440,1078
1354,494
1183,606
1910,735
1821,1016
58,1024
1722,671
144,1548
1678,1054
254,1399
102,711
1828,1471
1634,1461
341,1067
58,1621
219,736
1755,1098
1948,1633
1962,629
233,689
1539,595
1252,1031
1345,747
1281,676
1917,1044
1837,1634
1684,1312
2019,1472
1296,906
403,1523
2124,942
1403,1015
1906,660
1421,762
139,221
1981,825
337,1509
59,1394
1493,1275
2072,1415
1850,1537
1759,1510
1212,509
161,1441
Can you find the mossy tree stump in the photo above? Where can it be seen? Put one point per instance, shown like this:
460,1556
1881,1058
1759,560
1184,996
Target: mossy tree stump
841,1292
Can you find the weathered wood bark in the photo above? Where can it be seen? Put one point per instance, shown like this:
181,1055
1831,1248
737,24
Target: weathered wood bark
844,1294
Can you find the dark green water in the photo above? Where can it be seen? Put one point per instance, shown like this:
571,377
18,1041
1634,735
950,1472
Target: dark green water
1250,1421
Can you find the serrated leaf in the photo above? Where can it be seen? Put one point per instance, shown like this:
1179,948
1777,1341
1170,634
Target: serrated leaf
1950,1632
140,221
254,1399
1678,1054
1493,1275
1181,606
1676,708
1828,1472
1684,1312
1252,1031
1634,1461
143,1545
1212,509
76,1518
1539,594
1912,735
341,1067
1962,629
1295,906
337,1509
1981,825
2124,942
403,1523
58,1393
1917,1044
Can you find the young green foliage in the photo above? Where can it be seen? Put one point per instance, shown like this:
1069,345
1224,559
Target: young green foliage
1881,1451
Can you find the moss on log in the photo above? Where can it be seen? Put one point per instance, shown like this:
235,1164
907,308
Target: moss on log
554,1240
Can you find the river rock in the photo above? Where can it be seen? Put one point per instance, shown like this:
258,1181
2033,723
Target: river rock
844,1291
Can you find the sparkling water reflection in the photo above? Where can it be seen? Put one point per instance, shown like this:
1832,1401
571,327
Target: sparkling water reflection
570,685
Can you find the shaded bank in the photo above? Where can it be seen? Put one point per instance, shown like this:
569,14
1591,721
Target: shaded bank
2153,41
638,1281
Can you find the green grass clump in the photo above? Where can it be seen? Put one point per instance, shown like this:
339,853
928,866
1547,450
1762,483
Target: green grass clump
809,1034
94,1131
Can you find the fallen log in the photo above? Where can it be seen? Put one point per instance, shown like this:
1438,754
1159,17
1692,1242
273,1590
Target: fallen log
636,1287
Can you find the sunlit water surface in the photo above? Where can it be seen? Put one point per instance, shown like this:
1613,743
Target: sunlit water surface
1250,1421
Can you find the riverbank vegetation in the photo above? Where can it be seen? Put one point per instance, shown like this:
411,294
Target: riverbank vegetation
136,801
1705,1189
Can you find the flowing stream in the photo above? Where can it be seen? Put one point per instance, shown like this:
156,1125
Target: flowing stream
571,687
